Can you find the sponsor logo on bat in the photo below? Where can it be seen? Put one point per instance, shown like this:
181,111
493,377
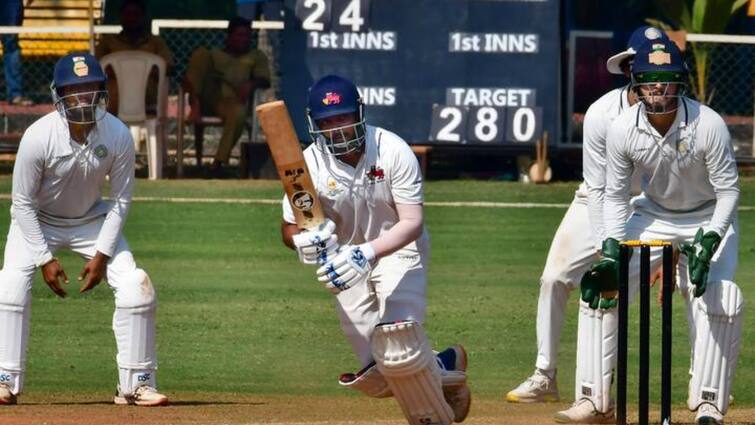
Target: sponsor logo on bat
303,200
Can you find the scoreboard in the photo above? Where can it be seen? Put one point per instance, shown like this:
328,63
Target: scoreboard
459,72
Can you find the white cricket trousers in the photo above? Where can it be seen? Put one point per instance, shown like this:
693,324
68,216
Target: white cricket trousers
571,254
133,320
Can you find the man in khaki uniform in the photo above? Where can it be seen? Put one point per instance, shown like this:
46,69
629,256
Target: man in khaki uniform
222,80
134,36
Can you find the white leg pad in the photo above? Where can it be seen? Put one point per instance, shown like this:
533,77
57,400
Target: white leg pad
718,330
403,356
134,329
15,297
596,355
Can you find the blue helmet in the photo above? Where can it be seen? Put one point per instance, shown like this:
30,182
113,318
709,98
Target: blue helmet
639,36
328,97
659,75
79,107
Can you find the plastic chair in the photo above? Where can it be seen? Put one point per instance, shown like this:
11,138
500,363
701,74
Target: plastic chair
132,70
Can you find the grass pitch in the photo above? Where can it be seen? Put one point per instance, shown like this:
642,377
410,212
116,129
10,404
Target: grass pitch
239,317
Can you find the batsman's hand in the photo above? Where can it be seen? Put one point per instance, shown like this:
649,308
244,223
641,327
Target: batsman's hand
699,255
317,245
93,272
600,284
350,267
52,271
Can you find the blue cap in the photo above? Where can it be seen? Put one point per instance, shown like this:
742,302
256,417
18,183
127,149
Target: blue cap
638,37
658,56
77,68
332,95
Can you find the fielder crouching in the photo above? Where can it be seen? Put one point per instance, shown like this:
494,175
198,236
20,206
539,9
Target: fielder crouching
373,252
62,164
690,194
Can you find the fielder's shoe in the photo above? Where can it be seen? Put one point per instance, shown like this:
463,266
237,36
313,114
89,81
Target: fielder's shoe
458,396
583,412
142,396
6,396
708,414
535,389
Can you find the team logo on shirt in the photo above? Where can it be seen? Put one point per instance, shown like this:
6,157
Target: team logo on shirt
100,151
375,175
80,67
333,189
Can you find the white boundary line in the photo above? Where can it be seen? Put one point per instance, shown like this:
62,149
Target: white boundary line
454,204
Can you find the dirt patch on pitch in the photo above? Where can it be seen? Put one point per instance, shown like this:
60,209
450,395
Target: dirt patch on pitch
237,409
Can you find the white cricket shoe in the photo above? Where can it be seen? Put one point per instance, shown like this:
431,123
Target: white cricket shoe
6,396
583,412
708,414
459,397
537,388
142,396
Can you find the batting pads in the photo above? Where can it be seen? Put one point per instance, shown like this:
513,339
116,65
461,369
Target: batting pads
596,355
718,327
14,327
403,356
134,329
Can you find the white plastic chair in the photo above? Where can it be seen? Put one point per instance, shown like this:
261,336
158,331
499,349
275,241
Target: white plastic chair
132,69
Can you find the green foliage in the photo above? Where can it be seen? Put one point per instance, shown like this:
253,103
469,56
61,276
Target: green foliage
707,17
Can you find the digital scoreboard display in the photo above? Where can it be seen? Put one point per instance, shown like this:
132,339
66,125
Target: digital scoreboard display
475,72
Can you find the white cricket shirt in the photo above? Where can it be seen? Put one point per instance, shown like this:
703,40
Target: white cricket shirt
595,127
362,200
690,171
59,182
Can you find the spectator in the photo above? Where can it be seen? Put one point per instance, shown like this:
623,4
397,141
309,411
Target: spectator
271,10
12,14
134,36
221,82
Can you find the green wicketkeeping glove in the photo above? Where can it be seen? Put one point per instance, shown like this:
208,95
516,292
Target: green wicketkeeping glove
699,255
603,278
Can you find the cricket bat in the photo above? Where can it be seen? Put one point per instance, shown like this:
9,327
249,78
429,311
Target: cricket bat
289,160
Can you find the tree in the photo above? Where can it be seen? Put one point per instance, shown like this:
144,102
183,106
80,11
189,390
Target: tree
698,17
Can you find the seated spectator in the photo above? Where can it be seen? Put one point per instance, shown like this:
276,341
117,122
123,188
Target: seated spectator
134,36
221,82
12,14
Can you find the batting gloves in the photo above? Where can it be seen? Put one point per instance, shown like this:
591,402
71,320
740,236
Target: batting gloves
600,284
317,245
699,255
350,266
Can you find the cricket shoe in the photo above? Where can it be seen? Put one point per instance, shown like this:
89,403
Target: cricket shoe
6,396
456,392
583,412
708,414
142,396
537,388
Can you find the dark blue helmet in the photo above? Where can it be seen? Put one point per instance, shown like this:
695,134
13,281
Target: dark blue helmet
639,36
79,107
659,75
77,68
331,96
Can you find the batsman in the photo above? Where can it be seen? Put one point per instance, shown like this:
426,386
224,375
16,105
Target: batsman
372,252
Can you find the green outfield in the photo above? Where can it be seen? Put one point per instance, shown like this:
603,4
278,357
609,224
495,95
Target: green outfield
239,315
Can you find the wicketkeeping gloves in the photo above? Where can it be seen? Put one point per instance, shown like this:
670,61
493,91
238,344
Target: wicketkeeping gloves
602,278
317,245
699,255
350,267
